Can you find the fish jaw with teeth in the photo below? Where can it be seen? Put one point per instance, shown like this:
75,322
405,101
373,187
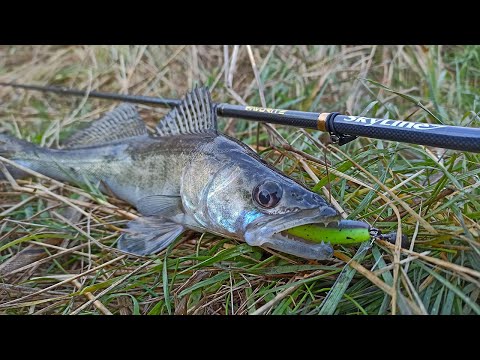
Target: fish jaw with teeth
278,238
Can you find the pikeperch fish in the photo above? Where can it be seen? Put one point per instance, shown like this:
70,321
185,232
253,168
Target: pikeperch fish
185,176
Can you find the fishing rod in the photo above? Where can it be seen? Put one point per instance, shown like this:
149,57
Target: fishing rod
342,128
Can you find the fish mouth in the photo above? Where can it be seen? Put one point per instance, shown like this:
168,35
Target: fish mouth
272,233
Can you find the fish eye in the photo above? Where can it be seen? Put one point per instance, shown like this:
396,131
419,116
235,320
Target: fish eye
267,194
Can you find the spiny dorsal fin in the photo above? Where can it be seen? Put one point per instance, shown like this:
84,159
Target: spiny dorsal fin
120,123
195,115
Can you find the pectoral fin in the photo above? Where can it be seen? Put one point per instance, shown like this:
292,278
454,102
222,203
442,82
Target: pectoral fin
149,235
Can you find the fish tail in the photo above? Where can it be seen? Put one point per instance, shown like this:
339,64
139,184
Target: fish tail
11,147
14,149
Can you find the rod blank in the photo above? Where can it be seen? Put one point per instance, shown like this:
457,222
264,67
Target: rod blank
97,94
341,127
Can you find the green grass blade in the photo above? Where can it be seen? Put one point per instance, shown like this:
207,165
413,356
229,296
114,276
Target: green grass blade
335,295
450,286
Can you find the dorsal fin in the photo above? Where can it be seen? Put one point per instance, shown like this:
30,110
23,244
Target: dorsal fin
120,123
195,115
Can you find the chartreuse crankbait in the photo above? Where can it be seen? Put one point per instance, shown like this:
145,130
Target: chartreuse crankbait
346,232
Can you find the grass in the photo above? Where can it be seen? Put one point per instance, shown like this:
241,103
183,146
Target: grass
57,253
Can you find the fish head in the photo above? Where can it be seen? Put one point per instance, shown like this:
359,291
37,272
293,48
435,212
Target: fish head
250,200
281,203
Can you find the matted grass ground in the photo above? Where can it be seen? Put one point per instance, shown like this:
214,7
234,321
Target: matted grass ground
55,254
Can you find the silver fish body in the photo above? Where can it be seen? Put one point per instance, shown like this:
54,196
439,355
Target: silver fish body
187,176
